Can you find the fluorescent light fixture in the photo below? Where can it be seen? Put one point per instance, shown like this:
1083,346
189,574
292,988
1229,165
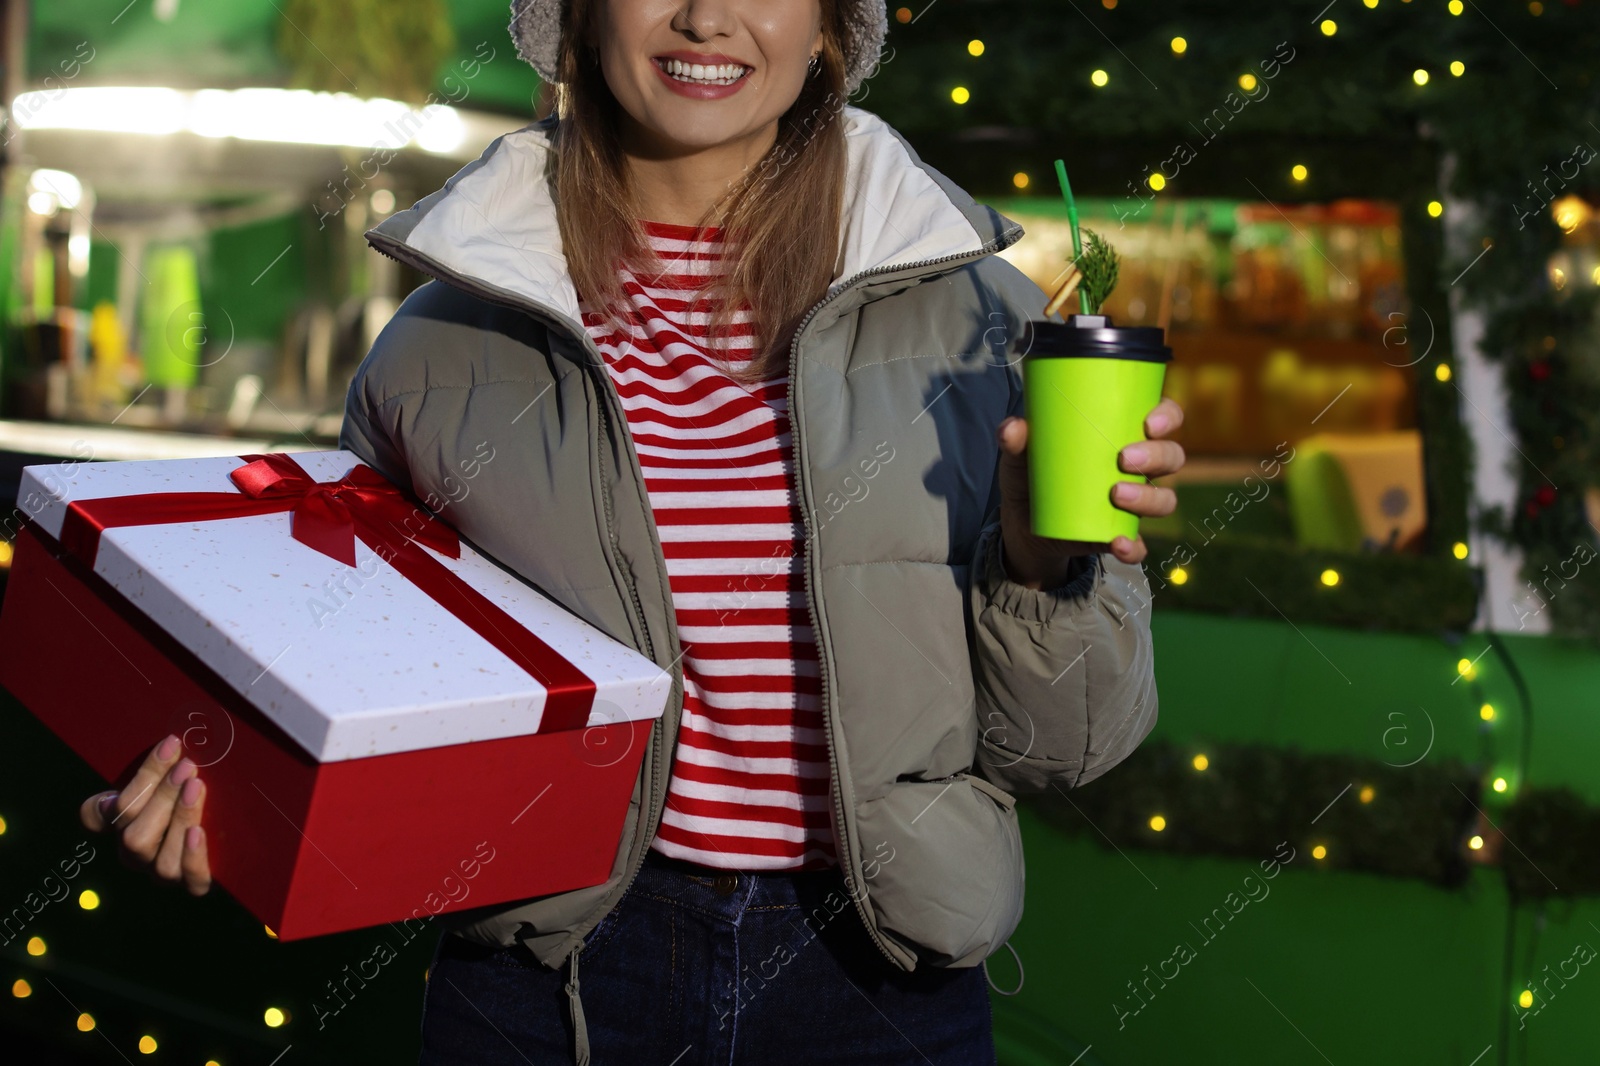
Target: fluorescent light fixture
136,110
284,116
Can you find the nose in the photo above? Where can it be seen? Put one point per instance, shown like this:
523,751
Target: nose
704,19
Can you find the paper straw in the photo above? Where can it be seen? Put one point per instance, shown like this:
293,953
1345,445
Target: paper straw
1072,217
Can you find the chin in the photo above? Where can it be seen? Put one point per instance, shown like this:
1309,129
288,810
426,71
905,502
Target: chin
698,134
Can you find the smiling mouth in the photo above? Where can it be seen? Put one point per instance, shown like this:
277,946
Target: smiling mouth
696,74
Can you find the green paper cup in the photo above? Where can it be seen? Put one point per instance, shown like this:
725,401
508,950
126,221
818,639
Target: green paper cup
1087,387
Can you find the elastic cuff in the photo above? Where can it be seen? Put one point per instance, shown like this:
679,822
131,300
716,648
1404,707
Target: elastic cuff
1084,575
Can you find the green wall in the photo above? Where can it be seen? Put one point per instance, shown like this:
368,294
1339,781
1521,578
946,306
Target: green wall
1365,968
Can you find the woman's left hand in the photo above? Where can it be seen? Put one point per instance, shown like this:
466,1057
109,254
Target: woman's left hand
1041,562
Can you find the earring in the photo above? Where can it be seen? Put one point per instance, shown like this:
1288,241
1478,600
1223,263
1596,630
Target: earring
815,65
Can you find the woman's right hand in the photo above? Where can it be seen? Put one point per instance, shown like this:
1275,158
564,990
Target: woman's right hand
157,818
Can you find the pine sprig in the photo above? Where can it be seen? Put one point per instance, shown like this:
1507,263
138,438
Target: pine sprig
1098,264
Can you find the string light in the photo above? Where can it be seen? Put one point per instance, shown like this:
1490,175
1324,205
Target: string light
274,1017
1370,3
1526,999
1156,182
1179,575
1442,372
1099,78
21,989
2,827
1158,823
1319,852
1329,27
1366,794
1475,843
1457,68
960,95
89,899
1247,82
1419,76
1466,668
903,15
1435,208
1201,762
1299,172
1486,712
270,933
147,1044
1330,577
1459,550
1500,784
1020,180
85,1023
974,48
36,946
1179,46
1457,7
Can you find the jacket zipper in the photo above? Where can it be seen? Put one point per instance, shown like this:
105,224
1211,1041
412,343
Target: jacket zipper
837,807
658,755
428,266
550,316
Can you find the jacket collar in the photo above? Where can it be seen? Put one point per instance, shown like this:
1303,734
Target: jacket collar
492,228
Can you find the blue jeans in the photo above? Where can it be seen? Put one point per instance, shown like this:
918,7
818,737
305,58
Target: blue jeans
698,966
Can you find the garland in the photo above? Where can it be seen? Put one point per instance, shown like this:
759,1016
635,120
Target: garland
1272,579
1389,112
1554,830
1367,815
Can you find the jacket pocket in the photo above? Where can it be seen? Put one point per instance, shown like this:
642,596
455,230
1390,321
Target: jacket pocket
948,883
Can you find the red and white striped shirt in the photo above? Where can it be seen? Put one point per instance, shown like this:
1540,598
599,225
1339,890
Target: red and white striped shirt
749,786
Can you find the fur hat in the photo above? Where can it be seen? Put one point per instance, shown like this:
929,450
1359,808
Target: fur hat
536,29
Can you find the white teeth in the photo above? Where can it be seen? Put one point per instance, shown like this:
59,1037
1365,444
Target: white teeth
724,74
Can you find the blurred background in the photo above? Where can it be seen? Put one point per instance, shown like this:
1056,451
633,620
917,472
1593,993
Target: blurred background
1365,827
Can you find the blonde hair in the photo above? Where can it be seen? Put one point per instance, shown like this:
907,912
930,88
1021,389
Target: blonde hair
788,206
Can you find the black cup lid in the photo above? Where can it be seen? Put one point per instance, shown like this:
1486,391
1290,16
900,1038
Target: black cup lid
1092,337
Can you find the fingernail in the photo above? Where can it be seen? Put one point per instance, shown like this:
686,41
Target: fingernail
1126,493
191,837
168,748
182,772
1158,424
1136,455
191,792
108,804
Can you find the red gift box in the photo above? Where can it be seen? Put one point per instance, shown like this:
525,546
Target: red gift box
308,846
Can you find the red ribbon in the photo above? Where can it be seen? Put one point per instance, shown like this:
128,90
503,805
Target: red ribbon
329,516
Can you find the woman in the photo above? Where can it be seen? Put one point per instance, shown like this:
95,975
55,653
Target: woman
742,363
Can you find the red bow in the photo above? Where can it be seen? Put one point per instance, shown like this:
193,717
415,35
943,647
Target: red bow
326,513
